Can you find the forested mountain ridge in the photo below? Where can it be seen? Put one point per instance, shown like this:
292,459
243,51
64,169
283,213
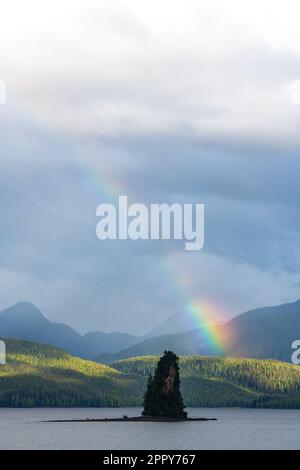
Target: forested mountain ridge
39,375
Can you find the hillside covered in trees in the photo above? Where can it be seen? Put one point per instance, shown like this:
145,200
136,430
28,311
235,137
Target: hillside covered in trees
39,375
209,382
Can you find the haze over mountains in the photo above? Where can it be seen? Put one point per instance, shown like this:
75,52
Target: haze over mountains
25,321
262,333
178,322
265,332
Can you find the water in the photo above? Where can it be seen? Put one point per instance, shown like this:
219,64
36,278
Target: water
235,429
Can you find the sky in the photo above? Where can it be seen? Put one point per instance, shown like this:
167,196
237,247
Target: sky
162,101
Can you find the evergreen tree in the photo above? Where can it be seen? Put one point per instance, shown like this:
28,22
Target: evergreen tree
163,397
147,397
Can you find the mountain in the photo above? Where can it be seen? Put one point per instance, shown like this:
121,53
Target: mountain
265,332
97,342
262,333
40,375
25,321
192,342
179,322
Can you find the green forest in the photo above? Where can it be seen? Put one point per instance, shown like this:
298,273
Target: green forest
39,375
213,381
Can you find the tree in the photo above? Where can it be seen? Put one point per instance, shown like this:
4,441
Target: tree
163,397
148,397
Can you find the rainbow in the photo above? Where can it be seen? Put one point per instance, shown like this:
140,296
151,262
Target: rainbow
212,331
204,313
96,173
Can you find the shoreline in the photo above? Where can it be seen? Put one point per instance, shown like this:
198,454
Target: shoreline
128,419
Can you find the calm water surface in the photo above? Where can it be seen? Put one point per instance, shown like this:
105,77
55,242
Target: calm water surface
235,429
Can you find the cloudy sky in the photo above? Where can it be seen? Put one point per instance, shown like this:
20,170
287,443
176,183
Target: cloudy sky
164,101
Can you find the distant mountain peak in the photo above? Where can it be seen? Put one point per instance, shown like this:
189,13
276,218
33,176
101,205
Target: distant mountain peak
24,320
24,304
181,321
24,308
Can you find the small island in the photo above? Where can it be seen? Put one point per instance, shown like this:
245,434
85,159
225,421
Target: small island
163,401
